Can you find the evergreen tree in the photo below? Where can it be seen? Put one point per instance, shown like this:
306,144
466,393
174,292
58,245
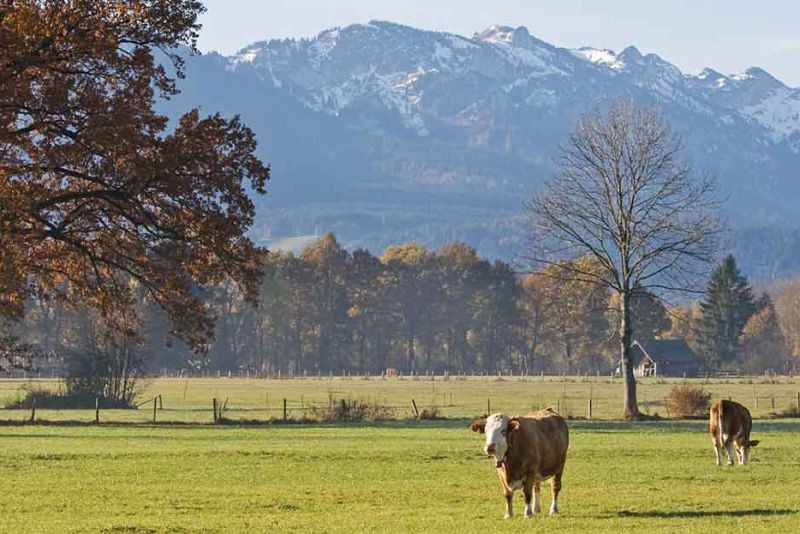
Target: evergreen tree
725,310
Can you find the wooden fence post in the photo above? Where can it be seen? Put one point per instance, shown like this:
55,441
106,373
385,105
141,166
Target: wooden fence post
97,410
590,408
414,406
155,407
33,410
798,402
773,403
488,406
160,402
214,407
285,413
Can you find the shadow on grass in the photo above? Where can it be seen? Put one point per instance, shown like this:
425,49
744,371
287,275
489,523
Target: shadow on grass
658,514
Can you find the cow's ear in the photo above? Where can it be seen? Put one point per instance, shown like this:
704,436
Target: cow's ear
479,425
752,443
513,424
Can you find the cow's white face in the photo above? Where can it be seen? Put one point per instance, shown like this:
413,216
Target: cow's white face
496,437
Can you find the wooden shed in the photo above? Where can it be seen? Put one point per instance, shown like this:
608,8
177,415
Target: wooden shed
664,357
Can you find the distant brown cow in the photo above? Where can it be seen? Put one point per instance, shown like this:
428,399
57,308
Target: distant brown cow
729,424
527,450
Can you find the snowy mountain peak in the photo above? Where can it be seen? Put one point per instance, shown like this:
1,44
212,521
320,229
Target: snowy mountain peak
518,37
760,75
599,56
710,74
631,53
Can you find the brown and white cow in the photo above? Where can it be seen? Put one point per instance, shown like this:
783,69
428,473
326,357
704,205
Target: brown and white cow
527,450
729,424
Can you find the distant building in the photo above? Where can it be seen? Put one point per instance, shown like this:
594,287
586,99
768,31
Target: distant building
663,357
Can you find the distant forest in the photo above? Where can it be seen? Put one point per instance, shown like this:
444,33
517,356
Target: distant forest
328,310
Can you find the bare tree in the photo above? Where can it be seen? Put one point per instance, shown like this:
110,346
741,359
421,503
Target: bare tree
625,196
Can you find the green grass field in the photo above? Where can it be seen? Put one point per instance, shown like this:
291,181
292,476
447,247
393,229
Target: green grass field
399,476
387,478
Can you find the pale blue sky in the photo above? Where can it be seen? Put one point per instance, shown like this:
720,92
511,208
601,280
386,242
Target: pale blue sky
728,35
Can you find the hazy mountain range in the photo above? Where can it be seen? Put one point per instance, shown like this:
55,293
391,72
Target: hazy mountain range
385,133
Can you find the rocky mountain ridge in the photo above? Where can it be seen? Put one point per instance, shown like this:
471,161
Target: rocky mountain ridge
383,132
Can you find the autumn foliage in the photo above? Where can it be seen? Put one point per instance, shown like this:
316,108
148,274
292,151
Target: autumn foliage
99,195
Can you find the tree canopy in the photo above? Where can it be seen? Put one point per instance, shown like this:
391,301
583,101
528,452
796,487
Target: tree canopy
98,193
625,196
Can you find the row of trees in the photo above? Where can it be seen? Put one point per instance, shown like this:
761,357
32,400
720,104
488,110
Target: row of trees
329,310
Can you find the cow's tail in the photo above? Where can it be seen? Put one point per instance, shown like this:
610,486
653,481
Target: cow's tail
720,438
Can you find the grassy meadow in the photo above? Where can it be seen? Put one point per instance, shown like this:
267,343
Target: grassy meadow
190,400
395,477
130,476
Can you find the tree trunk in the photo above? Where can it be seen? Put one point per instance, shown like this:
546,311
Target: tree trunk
411,357
450,343
631,405
362,349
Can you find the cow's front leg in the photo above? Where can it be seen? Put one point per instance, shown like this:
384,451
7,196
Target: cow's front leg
509,494
555,486
729,451
537,496
527,490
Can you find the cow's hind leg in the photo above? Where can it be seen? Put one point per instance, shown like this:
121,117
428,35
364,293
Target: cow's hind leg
555,486
537,496
509,504
527,490
716,442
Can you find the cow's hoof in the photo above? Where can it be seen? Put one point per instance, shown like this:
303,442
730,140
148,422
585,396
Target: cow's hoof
507,516
553,512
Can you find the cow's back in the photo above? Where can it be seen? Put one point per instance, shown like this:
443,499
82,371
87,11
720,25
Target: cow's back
547,433
731,418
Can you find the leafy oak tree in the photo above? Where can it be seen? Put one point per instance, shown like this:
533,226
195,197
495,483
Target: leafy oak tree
624,196
95,187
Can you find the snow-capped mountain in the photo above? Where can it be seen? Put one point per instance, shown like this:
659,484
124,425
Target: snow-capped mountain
382,132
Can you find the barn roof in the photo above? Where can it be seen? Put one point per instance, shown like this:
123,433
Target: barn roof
665,351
